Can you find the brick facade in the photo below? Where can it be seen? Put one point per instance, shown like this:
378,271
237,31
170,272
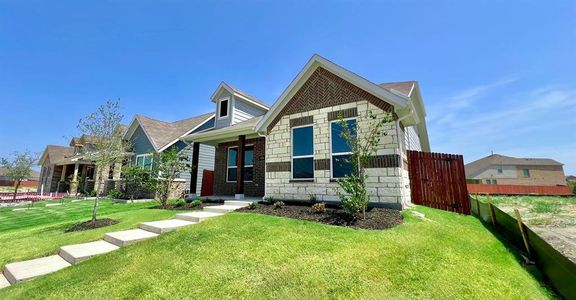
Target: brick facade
320,100
251,189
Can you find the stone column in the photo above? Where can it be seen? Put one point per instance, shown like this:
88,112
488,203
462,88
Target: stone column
74,182
100,179
240,168
62,178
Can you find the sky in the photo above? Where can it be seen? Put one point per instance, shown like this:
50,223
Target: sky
495,75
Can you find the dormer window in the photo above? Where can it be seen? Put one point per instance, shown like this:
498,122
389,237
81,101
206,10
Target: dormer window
223,108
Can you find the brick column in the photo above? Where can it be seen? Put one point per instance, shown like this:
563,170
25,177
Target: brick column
240,168
194,170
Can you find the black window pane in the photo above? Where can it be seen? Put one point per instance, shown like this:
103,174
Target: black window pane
232,153
232,174
339,144
224,108
341,166
249,155
302,141
248,173
303,168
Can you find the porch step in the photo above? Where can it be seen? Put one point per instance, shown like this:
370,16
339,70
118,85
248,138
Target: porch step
28,269
197,216
127,237
163,226
237,203
221,208
3,281
80,252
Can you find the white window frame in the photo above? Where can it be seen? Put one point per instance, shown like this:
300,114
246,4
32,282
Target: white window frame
236,166
144,159
330,146
219,107
292,157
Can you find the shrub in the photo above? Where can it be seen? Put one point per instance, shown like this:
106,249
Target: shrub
319,208
91,193
188,200
115,194
252,205
180,203
196,202
278,204
312,199
268,200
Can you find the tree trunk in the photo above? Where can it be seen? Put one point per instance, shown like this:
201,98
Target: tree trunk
16,189
97,199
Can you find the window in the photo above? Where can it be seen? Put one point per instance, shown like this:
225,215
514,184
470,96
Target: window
493,181
231,172
144,161
223,108
302,153
526,172
500,170
340,149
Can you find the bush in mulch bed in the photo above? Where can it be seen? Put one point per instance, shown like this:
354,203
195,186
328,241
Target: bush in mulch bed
376,218
92,225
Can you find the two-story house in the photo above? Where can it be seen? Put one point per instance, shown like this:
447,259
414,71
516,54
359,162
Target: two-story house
293,149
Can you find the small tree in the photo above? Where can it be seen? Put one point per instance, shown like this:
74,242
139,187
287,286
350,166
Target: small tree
19,167
363,143
167,166
103,127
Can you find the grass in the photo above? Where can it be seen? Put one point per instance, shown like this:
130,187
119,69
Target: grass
40,231
247,256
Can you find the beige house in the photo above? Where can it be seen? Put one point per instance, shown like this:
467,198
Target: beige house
507,170
293,149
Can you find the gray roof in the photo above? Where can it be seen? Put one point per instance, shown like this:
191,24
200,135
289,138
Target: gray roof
162,133
500,160
404,87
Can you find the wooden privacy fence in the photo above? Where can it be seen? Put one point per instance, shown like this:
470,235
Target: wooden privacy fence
437,180
559,270
499,189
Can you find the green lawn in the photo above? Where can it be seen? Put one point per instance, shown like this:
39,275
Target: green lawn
240,255
40,231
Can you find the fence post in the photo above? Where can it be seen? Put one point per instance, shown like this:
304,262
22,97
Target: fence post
522,232
478,206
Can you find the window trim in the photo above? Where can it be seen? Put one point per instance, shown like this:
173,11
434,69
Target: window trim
219,107
143,156
338,153
526,173
292,157
236,166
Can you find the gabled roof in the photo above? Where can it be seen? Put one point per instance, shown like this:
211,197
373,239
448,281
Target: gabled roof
404,87
239,93
56,154
33,175
164,134
502,160
217,134
396,99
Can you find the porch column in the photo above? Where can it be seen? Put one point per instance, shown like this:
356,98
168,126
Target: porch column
240,168
194,170
74,182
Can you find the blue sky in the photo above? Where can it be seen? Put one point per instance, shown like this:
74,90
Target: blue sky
494,76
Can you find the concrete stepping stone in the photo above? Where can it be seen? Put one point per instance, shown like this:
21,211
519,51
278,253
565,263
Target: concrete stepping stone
25,270
127,237
237,203
3,282
221,208
53,204
80,252
163,226
197,216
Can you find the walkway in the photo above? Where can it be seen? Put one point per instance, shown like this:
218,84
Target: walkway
73,254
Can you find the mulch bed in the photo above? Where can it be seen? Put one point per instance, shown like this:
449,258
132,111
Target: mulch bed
186,206
376,218
92,225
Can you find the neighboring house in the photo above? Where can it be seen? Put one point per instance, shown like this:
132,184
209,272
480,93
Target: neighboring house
65,168
31,181
507,170
293,150
149,136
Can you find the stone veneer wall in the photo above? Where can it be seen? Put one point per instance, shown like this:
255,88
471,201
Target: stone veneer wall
252,189
386,183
